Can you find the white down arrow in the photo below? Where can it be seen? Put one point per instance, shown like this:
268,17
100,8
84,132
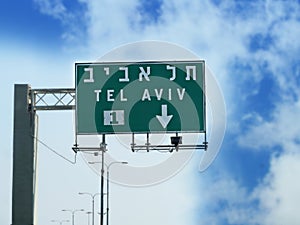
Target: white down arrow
164,119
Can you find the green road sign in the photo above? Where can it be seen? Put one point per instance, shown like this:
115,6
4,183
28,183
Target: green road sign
140,97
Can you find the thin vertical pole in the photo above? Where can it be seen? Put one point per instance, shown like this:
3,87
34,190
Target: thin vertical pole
88,214
73,217
93,210
107,195
148,143
102,148
205,142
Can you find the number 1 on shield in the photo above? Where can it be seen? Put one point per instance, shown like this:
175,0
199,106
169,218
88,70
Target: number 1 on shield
113,116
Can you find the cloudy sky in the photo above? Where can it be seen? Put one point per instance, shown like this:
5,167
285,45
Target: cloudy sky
251,47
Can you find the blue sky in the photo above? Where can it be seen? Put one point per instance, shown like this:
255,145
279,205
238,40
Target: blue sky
251,47
25,18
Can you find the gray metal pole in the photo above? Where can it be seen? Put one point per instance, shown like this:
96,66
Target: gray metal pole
73,213
93,211
107,187
88,214
23,182
102,148
107,196
73,217
93,204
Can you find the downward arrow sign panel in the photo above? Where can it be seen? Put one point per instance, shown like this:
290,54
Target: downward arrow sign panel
164,119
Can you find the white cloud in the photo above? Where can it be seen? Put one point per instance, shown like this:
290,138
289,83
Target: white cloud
199,26
225,199
278,56
54,8
282,130
281,54
273,202
72,19
279,194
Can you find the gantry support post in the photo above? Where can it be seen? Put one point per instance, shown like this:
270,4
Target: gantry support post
23,158
26,102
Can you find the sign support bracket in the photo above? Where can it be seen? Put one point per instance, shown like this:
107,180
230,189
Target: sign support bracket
176,144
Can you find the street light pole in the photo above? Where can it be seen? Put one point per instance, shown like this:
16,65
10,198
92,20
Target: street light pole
73,213
93,203
102,149
107,188
60,221
88,214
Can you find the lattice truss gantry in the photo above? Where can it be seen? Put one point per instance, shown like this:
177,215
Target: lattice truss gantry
53,99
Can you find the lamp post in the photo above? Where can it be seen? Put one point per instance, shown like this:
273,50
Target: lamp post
93,203
107,187
60,221
103,149
88,215
73,213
